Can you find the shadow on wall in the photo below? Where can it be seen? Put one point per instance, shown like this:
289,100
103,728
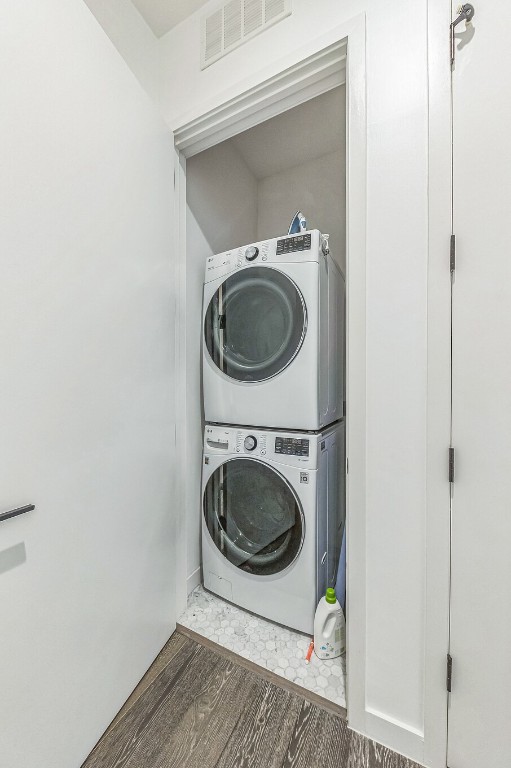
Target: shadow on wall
12,557
221,194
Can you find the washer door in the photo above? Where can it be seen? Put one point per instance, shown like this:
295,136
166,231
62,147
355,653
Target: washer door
253,516
255,324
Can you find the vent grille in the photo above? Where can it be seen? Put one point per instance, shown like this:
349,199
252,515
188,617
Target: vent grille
274,9
232,24
235,22
214,34
252,16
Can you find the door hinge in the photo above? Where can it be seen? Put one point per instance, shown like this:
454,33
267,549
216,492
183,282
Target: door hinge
449,673
452,255
451,465
466,13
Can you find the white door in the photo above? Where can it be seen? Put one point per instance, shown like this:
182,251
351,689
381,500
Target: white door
480,703
86,383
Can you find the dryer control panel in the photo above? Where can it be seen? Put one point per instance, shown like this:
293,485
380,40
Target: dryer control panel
294,243
292,249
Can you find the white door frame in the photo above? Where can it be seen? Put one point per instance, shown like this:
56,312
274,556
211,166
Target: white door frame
438,386
339,57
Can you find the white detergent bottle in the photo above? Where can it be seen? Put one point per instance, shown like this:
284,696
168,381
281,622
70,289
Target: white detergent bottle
329,627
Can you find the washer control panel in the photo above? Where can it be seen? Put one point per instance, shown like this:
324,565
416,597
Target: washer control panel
286,448
292,446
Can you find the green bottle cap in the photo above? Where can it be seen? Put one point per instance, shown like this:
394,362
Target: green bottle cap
330,595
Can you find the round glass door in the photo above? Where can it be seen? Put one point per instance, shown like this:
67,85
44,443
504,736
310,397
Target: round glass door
253,516
255,324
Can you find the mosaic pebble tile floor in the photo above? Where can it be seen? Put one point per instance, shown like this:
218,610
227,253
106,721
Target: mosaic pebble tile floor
280,650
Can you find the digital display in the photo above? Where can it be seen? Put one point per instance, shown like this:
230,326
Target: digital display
297,243
292,446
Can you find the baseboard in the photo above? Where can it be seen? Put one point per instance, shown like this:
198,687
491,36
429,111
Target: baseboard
193,580
391,733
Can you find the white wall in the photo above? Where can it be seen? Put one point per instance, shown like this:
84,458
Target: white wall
221,212
87,378
390,700
318,188
134,40
222,196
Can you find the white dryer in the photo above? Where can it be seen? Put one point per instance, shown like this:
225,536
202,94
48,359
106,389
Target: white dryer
273,519
273,335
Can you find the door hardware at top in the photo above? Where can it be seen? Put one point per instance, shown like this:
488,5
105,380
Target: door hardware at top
466,13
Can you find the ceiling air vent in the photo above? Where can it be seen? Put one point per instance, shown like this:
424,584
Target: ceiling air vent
232,23
252,16
235,22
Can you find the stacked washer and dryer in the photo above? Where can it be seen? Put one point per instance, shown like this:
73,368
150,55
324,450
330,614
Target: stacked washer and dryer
273,466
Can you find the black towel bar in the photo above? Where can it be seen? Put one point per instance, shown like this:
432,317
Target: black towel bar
16,512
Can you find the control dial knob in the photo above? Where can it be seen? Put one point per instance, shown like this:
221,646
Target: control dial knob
250,443
251,253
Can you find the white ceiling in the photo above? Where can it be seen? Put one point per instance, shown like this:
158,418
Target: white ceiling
162,15
301,134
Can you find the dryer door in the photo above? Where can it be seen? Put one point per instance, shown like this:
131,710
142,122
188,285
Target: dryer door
253,516
255,324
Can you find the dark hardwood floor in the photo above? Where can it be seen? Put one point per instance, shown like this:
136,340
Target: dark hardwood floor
195,708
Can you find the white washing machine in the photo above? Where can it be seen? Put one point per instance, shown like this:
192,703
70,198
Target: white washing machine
273,518
273,335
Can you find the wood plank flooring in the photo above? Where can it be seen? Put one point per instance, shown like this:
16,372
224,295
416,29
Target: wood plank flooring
196,708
